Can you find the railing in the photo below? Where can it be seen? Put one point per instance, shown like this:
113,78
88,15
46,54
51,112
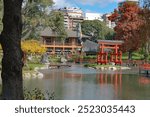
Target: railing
61,44
145,66
133,62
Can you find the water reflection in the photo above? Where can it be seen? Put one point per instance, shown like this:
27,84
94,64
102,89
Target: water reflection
144,80
81,83
114,79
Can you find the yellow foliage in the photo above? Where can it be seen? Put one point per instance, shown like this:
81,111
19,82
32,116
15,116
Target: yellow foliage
32,46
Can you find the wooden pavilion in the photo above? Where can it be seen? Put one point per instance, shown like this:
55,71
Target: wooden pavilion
111,47
50,40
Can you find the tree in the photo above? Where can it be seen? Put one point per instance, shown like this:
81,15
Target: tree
32,47
10,39
35,17
145,29
56,23
128,24
96,29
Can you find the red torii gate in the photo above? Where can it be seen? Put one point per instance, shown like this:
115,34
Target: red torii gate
116,56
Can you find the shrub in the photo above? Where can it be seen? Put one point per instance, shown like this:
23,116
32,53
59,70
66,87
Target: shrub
37,94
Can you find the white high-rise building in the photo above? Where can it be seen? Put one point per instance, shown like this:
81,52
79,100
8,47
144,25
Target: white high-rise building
93,16
109,23
72,16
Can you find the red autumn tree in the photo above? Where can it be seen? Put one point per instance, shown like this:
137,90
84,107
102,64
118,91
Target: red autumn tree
128,23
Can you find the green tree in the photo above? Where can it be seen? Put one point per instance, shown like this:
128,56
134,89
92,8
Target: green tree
56,23
35,17
145,29
96,29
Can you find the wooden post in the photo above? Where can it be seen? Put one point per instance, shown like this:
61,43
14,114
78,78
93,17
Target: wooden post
102,53
116,53
106,58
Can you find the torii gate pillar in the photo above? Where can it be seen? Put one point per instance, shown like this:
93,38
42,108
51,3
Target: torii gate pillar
116,56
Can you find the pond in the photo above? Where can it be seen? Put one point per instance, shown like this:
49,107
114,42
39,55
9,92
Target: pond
79,83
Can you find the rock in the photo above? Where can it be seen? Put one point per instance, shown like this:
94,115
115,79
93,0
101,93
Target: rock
36,68
112,68
46,66
97,67
125,68
63,60
105,68
34,75
40,75
27,75
44,58
102,68
112,63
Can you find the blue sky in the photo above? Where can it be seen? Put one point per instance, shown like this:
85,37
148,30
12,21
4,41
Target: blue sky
99,6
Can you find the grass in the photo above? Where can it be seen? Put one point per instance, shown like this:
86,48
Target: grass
135,56
31,66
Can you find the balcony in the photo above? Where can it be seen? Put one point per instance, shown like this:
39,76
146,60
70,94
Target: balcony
59,44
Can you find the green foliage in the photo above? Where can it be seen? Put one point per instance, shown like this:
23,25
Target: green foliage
41,2
97,29
37,94
35,17
31,66
56,23
145,29
54,59
135,56
89,57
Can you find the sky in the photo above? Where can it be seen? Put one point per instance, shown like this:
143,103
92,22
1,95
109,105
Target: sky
93,6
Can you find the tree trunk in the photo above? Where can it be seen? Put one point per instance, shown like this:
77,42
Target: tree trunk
130,55
12,82
146,53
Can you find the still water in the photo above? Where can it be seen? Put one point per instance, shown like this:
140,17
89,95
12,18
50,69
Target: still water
79,83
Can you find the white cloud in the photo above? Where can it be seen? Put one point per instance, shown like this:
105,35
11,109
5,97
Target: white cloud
62,3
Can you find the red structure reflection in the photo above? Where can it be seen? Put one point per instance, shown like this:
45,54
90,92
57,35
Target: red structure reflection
144,80
72,75
115,79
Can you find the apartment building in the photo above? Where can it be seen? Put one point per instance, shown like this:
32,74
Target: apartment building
93,16
72,16
109,23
